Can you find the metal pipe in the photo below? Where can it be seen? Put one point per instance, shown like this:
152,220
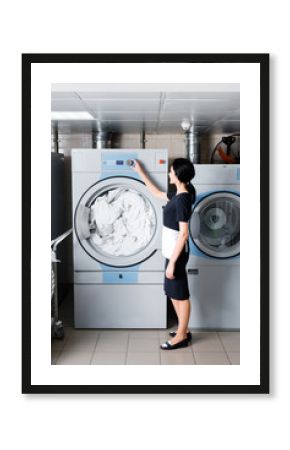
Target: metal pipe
192,145
101,139
142,139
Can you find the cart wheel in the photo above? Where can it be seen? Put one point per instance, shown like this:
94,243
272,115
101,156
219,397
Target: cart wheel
59,332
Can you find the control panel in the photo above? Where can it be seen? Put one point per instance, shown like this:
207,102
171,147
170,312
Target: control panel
115,161
151,160
118,160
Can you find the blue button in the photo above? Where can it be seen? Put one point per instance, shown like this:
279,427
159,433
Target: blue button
119,162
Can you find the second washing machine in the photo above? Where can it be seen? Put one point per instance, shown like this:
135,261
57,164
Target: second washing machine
214,262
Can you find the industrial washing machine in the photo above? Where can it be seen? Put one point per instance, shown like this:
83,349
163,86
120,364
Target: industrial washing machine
214,262
118,265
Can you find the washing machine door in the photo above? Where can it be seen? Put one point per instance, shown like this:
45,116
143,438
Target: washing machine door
108,224
219,235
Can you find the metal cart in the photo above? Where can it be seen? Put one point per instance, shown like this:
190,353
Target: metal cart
57,329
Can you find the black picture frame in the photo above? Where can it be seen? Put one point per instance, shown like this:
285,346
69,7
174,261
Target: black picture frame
263,61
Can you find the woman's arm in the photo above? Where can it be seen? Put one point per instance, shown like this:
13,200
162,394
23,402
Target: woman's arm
182,238
151,186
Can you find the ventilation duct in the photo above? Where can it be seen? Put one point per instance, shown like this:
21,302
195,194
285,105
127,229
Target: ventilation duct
102,139
191,142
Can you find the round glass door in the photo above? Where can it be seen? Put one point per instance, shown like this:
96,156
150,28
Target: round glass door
219,215
116,222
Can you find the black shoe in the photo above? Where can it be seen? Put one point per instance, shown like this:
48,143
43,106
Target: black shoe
168,346
188,334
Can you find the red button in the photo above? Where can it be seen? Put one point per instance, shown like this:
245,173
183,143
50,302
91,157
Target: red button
162,161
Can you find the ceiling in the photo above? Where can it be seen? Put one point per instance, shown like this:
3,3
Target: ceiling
158,108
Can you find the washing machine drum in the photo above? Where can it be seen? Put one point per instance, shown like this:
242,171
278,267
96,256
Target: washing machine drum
219,234
116,222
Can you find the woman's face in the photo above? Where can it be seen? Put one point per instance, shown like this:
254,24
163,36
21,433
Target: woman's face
172,177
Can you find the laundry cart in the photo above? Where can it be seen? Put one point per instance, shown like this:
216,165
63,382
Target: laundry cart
57,329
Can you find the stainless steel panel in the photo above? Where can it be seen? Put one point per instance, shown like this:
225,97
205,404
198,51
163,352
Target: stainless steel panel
215,297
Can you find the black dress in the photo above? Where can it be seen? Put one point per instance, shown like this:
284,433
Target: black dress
178,209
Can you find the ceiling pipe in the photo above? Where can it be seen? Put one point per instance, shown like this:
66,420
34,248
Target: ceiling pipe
191,141
192,146
101,139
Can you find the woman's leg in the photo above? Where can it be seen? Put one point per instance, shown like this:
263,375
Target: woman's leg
176,304
183,309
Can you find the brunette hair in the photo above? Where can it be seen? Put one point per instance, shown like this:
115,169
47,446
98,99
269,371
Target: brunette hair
184,170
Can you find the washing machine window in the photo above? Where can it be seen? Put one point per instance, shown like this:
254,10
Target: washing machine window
116,222
219,235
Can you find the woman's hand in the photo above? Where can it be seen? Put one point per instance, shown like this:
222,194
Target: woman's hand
137,166
170,271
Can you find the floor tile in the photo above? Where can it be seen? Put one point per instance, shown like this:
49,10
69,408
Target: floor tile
111,345
83,334
113,332
234,357
211,358
114,337
82,339
68,330
138,345
143,358
142,346
82,345
54,355
109,358
144,334
230,340
57,344
173,357
74,358
206,342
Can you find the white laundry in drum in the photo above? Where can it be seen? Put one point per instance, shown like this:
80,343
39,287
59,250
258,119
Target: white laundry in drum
122,221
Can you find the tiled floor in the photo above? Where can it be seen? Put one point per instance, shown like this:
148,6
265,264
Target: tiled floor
139,346
143,347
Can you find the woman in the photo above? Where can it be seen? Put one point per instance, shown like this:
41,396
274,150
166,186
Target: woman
175,246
